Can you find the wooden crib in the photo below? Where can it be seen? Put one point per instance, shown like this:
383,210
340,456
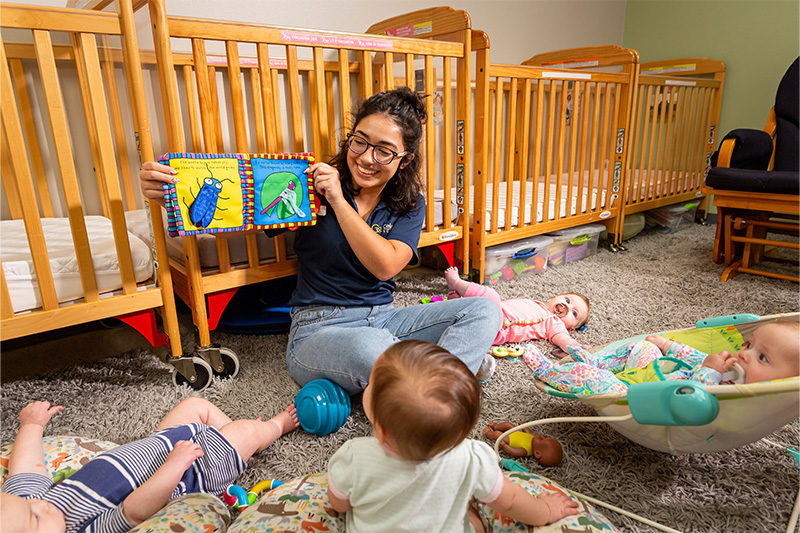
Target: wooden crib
541,163
243,87
675,114
70,194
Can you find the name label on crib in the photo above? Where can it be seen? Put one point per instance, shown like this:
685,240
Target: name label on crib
336,41
605,214
448,235
567,75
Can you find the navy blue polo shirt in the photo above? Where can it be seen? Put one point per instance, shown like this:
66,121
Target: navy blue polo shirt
329,273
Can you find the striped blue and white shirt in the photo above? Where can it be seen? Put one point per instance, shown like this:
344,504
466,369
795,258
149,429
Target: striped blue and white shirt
91,499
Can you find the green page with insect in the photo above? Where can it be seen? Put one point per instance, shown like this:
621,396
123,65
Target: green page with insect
219,193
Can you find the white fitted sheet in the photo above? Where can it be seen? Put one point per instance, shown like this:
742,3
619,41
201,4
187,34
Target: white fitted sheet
21,276
588,198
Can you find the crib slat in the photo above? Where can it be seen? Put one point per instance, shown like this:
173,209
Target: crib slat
277,111
365,81
258,114
344,90
105,156
667,187
669,152
578,114
114,107
548,159
618,122
511,129
321,128
268,98
204,96
80,65
9,181
32,137
605,149
537,149
294,99
33,226
429,154
562,130
686,160
589,125
237,96
66,164
497,151
684,128
447,156
595,148
191,106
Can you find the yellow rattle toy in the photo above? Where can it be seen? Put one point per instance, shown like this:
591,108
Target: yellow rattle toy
507,351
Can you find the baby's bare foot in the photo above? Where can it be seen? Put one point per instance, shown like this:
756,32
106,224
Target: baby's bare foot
287,420
451,275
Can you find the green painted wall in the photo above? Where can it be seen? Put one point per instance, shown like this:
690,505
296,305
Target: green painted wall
757,40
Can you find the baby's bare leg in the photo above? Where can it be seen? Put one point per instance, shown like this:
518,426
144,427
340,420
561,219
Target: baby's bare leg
195,410
251,436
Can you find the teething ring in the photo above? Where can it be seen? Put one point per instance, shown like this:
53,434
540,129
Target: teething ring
499,351
515,350
507,351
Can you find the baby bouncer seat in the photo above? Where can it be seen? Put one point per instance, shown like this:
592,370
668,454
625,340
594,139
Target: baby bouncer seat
740,408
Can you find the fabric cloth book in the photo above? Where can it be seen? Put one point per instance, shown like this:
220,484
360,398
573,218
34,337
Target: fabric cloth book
219,193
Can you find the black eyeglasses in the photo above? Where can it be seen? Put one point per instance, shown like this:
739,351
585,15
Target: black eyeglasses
381,154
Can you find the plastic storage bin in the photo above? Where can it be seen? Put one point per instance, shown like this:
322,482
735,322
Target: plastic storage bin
506,261
671,218
572,244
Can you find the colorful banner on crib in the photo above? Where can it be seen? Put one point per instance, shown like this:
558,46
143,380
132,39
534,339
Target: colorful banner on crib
220,193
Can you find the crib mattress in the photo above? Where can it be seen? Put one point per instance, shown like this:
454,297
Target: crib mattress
588,199
21,276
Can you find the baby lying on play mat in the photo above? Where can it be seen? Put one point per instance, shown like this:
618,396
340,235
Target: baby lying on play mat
195,448
525,319
771,352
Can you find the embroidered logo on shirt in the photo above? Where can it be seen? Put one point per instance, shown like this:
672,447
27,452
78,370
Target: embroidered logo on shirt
382,229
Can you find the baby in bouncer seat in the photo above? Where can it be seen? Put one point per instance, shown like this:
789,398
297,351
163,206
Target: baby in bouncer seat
771,352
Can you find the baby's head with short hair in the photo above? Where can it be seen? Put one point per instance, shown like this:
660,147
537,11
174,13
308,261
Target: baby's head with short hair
771,352
422,398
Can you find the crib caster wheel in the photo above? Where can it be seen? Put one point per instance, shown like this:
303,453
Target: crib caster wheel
230,362
203,375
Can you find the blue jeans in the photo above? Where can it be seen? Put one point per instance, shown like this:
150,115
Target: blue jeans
342,343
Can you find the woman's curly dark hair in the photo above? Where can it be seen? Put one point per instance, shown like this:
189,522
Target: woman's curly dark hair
407,109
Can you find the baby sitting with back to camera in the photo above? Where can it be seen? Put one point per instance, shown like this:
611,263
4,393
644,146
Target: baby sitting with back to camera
419,468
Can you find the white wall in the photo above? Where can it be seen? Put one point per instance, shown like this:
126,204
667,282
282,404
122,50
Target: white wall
518,29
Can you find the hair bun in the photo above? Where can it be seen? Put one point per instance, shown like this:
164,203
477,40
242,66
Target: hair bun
414,100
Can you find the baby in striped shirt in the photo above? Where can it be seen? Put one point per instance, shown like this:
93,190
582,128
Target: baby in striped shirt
195,448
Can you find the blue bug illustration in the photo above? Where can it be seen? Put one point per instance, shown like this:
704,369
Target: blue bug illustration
204,206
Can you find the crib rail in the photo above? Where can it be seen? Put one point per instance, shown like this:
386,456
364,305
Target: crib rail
69,158
242,87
